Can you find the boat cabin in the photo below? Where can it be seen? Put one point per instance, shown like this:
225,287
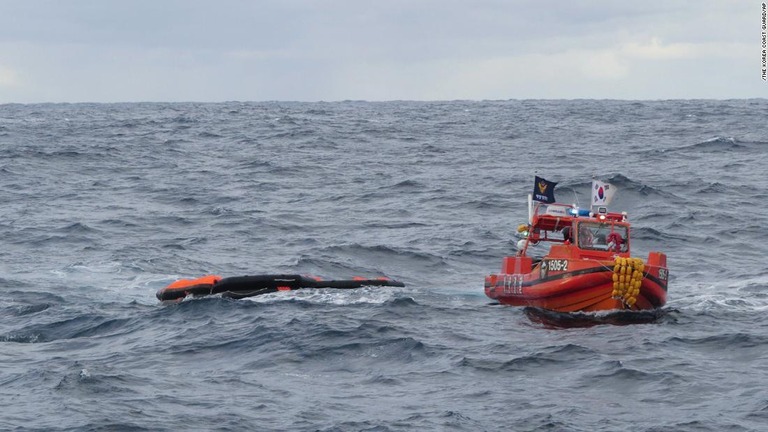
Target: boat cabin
579,233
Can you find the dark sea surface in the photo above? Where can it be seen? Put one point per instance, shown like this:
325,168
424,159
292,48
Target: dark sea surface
104,204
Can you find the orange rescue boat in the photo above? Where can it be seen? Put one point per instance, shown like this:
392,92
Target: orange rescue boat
588,268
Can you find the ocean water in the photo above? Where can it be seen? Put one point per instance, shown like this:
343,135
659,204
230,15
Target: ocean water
103,204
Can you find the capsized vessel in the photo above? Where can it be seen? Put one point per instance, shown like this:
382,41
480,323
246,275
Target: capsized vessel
248,286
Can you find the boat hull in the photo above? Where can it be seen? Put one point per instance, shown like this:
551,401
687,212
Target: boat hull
574,285
249,286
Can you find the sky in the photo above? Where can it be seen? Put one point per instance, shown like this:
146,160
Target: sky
330,50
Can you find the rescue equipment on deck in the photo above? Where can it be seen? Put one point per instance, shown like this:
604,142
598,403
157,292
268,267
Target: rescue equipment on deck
627,279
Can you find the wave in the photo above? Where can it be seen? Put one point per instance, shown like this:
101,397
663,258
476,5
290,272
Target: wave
431,150
354,257
616,373
381,296
719,144
257,164
740,301
407,185
539,361
719,342
209,135
71,234
647,233
81,326
76,228
625,186
379,350
22,310
712,188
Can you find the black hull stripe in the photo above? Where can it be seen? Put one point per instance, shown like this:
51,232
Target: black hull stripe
567,275
657,281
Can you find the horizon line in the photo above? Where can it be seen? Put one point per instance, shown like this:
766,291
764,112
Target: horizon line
320,101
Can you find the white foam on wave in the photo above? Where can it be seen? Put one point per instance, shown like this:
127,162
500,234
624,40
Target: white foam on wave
365,295
81,270
746,294
112,281
731,140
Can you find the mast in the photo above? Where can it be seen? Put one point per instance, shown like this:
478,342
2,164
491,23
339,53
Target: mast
530,209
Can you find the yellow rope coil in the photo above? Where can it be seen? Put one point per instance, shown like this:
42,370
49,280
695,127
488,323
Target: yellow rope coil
627,278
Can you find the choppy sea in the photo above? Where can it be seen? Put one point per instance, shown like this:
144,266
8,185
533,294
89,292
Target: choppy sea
103,204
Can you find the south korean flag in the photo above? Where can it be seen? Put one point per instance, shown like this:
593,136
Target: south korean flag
602,193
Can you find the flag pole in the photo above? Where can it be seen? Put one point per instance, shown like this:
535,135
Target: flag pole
530,209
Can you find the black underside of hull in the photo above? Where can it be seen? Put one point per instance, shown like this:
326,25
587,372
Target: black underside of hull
249,286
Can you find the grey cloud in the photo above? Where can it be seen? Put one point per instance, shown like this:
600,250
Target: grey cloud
364,49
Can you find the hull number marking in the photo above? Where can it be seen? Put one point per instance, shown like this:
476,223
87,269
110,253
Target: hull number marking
663,274
513,284
556,265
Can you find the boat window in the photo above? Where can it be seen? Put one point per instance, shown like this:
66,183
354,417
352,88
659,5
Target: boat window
602,236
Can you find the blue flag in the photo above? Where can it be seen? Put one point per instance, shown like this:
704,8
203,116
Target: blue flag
544,190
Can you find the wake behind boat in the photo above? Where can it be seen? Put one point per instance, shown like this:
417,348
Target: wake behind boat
589,266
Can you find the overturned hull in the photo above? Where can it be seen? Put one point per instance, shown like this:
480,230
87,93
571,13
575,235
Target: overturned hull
248,286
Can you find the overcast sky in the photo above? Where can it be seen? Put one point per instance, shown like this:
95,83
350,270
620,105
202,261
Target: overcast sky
310,50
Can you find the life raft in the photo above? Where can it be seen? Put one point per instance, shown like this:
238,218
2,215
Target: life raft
248,286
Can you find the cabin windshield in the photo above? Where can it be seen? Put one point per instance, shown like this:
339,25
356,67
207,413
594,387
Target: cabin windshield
597,236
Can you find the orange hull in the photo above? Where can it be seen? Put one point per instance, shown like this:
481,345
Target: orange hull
574,285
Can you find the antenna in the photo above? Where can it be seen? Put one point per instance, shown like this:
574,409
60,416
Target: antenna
575,197
530,209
